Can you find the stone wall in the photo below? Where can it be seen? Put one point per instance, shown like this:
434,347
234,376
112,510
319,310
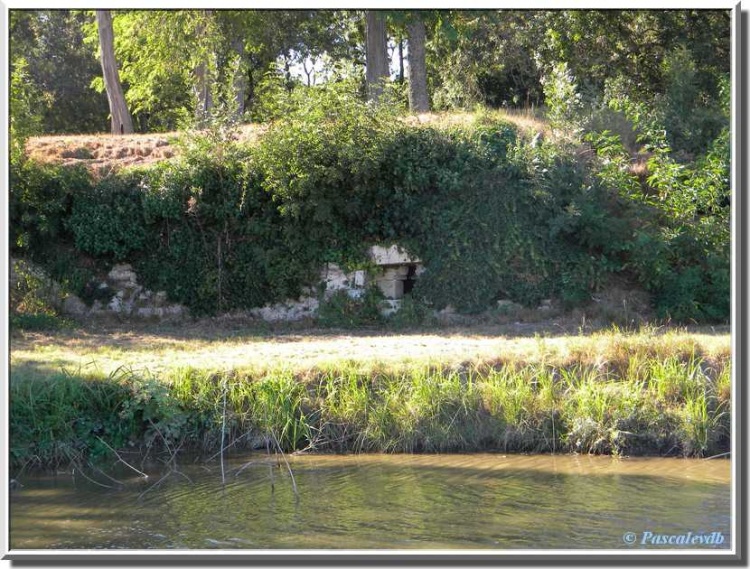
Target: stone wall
121,295
393,267
131,300
393,271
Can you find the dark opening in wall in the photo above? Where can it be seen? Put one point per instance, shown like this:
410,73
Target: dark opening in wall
411,278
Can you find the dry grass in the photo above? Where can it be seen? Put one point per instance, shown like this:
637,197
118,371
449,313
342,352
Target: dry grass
101,152
527,121
159,350
105,153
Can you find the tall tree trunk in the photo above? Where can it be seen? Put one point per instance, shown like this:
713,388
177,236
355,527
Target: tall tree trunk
122,122
419,101
401,60
202,93
240,78
202,87
377,54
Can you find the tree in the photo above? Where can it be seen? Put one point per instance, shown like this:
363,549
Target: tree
419,101
121,121
376,53
202,69
59,68
23,104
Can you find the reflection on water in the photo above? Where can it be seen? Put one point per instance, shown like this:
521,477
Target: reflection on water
380,501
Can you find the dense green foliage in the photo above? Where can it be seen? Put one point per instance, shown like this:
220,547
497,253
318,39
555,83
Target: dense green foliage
491,215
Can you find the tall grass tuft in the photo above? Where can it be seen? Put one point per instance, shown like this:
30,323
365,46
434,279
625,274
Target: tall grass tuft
277,409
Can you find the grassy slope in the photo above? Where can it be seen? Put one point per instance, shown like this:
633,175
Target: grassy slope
662,392
102,153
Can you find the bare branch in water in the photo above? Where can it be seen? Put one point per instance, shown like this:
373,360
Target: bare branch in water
125,462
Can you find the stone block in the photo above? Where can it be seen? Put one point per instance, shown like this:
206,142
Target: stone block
447,311
115,305
123,275
146,312
287,311
393,255
355,293
506,306
360,278
388,307
174,310
545,305
396,273
74,306
391,288
334,278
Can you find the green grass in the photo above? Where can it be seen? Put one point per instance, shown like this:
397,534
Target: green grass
666,394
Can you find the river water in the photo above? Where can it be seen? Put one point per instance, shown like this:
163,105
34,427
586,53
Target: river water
474,501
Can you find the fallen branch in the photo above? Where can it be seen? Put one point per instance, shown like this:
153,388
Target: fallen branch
289,468
718,455
125,462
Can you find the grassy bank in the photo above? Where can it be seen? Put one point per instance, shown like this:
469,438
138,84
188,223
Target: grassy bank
652,392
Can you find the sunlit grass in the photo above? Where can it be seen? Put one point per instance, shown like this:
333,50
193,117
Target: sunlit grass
372,352
612,392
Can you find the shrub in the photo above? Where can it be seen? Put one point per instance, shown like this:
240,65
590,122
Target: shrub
564,103
344,311
412,314
40,201
35,299
107,219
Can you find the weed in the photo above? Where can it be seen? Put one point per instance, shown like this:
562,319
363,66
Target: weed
343,311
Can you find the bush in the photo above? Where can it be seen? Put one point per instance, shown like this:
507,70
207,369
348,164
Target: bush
34,298
36,322
343,311
219,242
564,103
40,202
673,236
107,219
412,314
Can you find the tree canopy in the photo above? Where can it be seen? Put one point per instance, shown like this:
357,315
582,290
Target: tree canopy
172,61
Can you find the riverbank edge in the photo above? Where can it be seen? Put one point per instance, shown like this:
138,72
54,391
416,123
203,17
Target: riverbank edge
666,405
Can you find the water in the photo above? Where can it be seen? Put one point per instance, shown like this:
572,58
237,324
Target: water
378,501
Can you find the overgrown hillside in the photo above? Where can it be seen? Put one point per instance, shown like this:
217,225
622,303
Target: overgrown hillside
494,211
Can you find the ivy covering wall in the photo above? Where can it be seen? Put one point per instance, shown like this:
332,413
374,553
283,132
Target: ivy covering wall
492,213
